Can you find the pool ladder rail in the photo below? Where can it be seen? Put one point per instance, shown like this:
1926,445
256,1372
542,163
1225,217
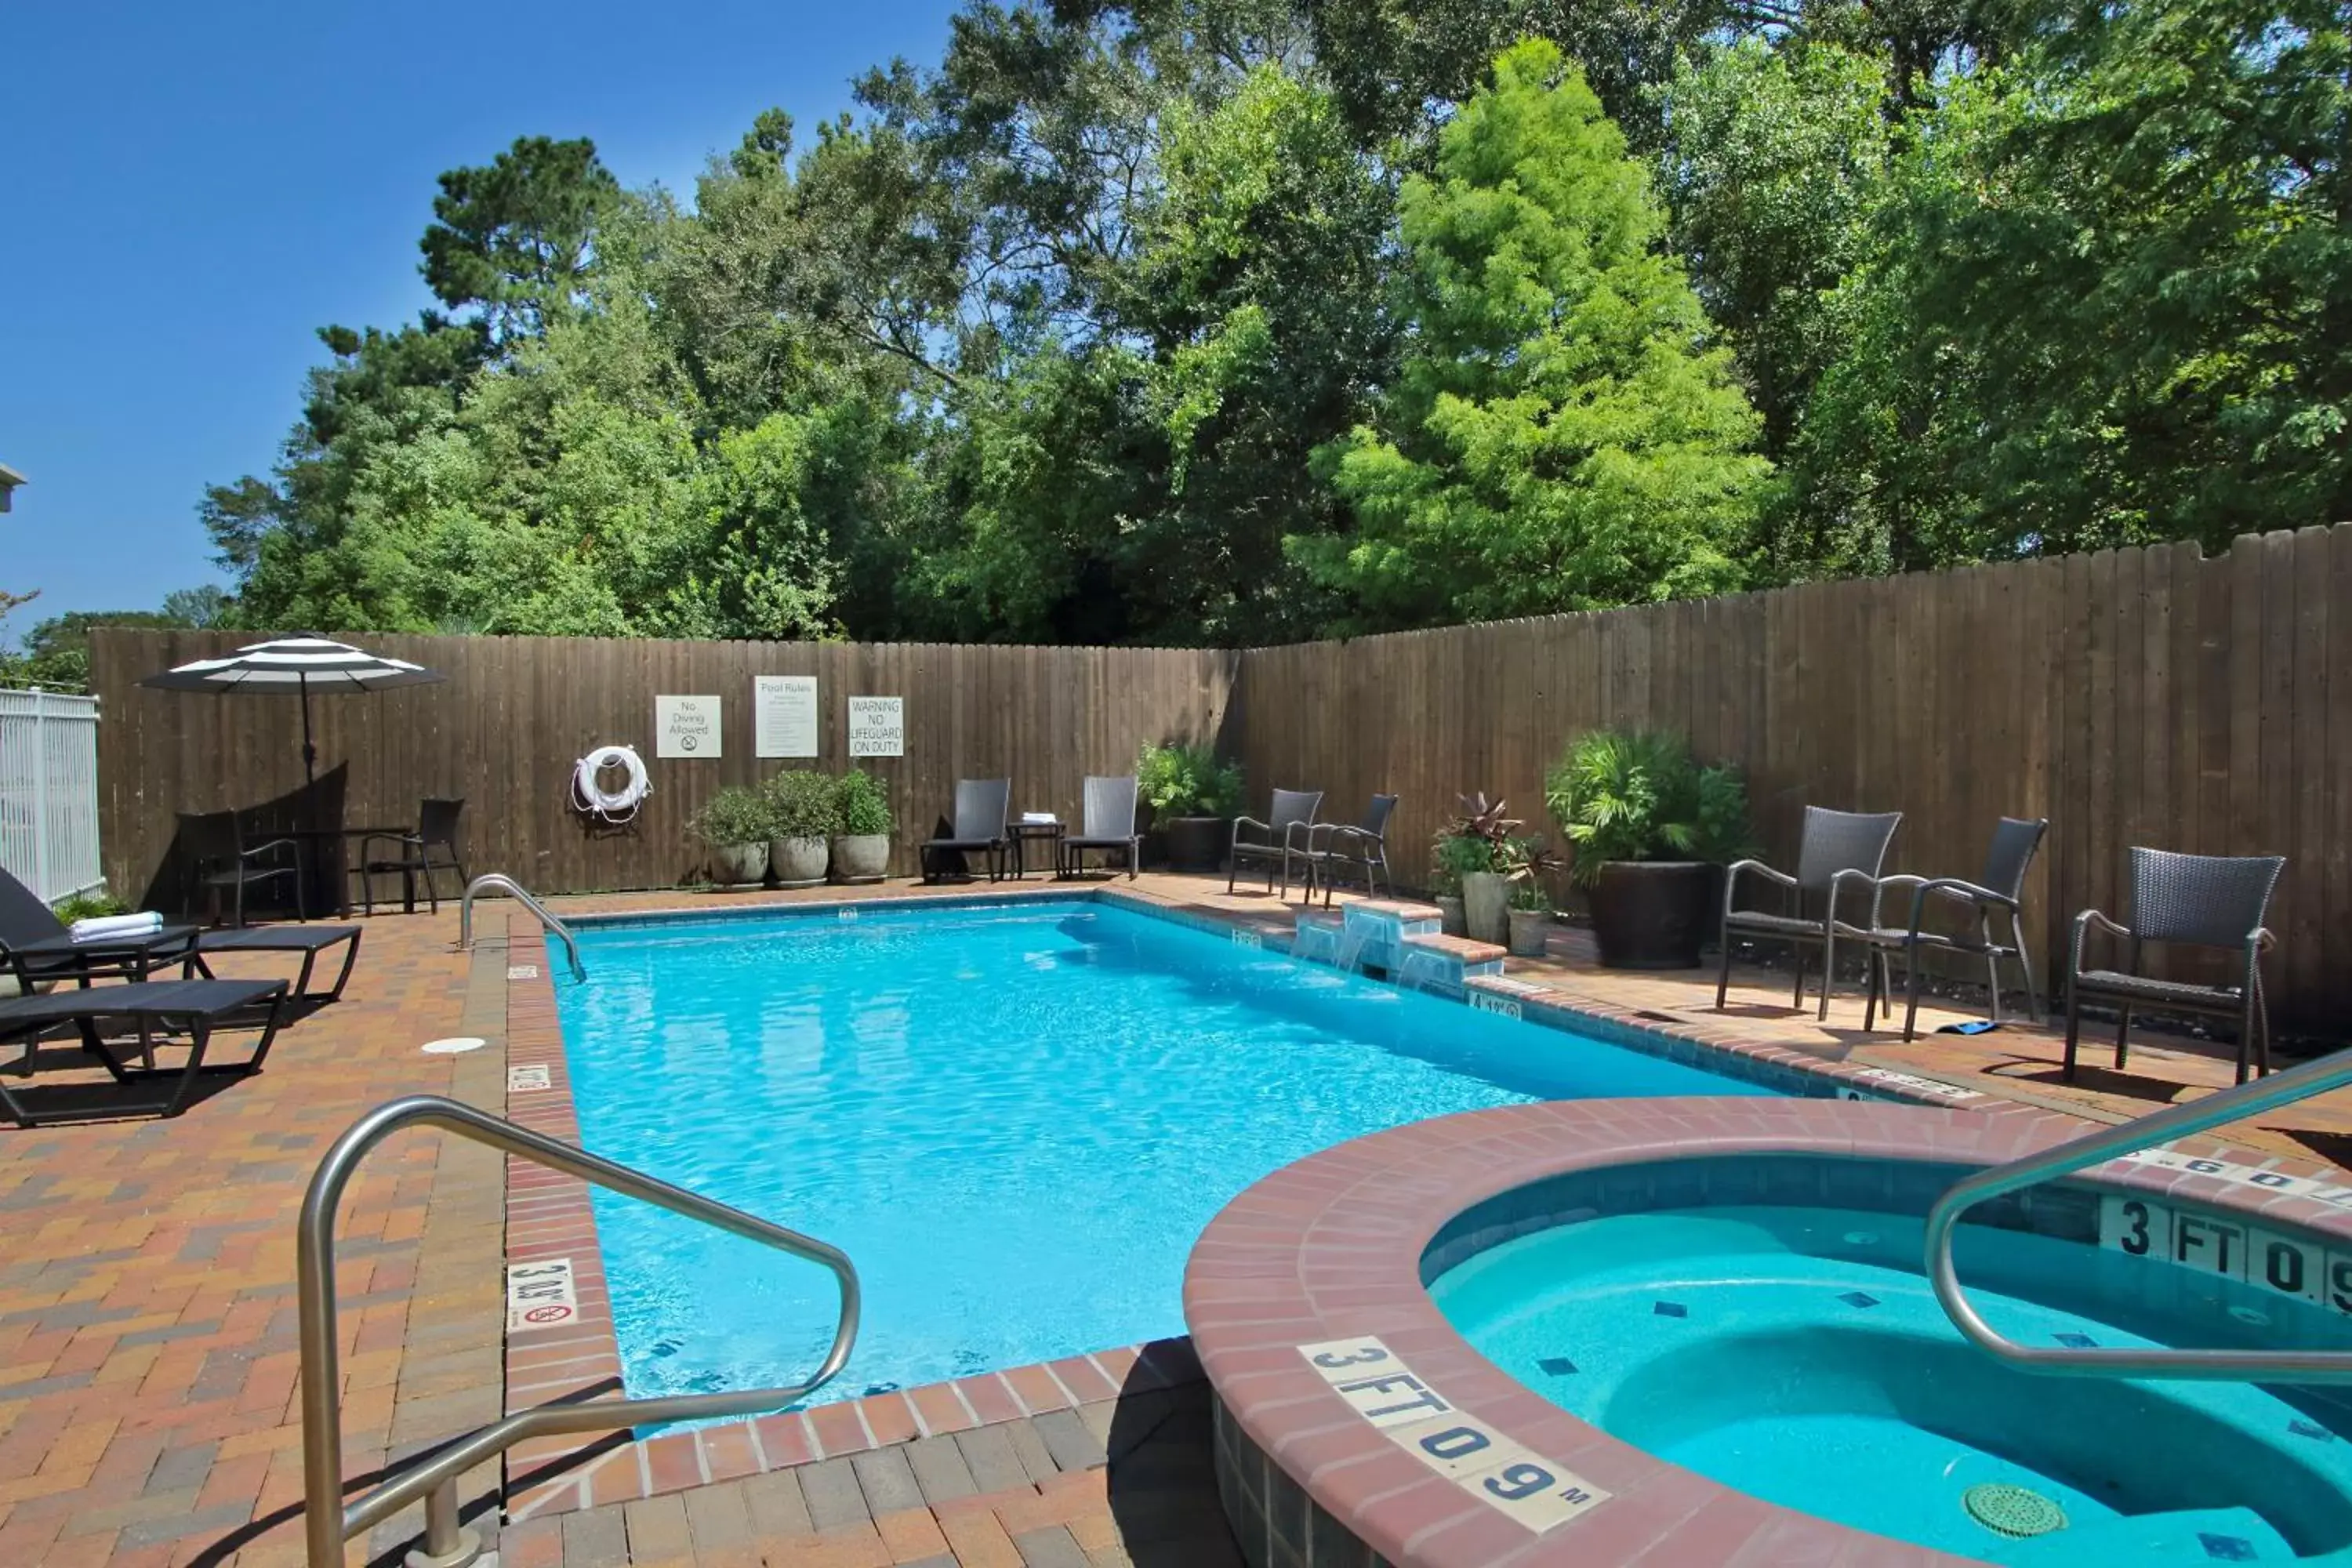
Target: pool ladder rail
500,882
2144,1132
328,1521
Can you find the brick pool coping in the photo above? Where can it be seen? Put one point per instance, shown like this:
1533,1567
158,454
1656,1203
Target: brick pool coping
548,1215
1330,1248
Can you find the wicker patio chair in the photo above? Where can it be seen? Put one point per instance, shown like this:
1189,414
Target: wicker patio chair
2188,900
412,856
1283,835
221,861
1337,848
982,806
1109,826
1998,895
1836,849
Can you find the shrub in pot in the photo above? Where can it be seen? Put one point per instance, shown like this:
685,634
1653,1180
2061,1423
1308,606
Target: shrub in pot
1651,831
1527,863
861,843
803,813
1472,849
734,823
1193,797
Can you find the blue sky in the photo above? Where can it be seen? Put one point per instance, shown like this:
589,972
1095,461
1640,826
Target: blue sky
187,192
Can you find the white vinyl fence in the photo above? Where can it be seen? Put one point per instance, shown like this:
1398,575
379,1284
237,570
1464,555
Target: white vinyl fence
48,791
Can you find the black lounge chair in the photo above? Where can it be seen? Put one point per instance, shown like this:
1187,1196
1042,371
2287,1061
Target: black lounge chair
1834,848
983,807
41,950
1109,823
2188,900
1285,835
1334,849
196,1006
1998,895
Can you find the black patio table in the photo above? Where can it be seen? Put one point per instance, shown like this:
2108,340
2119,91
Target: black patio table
1022,833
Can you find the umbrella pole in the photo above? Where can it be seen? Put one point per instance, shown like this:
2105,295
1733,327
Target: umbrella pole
310,751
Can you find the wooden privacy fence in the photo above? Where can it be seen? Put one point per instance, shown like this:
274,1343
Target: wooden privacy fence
516,713
2132,697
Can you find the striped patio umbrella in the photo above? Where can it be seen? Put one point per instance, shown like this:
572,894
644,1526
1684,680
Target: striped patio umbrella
294,666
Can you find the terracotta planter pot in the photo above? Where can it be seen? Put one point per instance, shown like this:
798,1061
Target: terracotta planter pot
1450,917
861,856
739,864
1530,928
1196,843
1486,907
798,862
1652,914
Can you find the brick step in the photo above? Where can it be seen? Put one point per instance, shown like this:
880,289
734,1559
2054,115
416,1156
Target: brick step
1434,961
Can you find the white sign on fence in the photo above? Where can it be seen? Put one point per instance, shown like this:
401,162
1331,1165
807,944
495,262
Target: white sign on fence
49,792
878,727
685,726
784,709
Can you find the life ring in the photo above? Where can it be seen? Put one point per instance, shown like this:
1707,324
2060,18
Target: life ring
590,795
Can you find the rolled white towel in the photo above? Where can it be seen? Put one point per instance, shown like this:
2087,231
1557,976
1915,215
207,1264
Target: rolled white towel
114,927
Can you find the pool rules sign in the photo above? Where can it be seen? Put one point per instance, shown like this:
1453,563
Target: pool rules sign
878,727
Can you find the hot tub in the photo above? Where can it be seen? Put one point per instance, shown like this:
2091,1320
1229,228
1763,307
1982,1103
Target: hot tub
1692,1333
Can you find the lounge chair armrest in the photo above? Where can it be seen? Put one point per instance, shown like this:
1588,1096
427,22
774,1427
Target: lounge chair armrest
247,851
1291,831
1241,822
1841,880
2083,924
1731,879
413,840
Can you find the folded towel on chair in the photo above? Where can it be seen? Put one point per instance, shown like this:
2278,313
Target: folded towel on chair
113,928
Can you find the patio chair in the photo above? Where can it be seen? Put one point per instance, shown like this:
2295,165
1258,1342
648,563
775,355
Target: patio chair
1109,826
2186,900
983,807
1276,840
40,947
196,1007
411,855
1835,849
1997,895
222,862
1336,847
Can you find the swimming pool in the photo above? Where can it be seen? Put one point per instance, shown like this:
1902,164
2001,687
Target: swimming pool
1014,1118
1798,1355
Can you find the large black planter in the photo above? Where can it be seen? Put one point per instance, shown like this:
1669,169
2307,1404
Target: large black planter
1195,843
1652,914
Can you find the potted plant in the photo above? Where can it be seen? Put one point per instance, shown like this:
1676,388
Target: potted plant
861,841
1526,864
1651,831
1471,850
803,813
734,823
1193,797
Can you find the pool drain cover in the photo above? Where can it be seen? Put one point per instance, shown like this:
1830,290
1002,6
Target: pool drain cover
2006,1509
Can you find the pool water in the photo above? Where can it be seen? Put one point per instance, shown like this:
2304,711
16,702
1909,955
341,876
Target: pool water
1799,1354
1015,1118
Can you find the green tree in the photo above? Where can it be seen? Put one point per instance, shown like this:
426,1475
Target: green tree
1561,437
516,238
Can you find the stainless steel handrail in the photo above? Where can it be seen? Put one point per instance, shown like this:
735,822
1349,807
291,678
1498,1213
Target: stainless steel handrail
328,1521
2142,1133
499,882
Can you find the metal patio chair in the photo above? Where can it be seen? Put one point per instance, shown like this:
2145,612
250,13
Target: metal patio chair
1108,824
222,862
982,808
1836,848
1336,847
412,856
1276,839
1998,895
2185,900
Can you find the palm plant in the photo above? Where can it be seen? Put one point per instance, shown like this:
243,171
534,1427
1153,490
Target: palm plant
1638,795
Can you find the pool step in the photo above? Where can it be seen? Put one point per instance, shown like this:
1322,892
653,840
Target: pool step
1437,962
1369,934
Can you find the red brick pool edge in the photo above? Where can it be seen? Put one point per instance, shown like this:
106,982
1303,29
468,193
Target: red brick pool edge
1327,1255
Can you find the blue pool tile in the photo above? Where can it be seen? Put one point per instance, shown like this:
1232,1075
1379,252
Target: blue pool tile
1670,1309
2227,1548
1557,1365
1859,1298
2306,1429
2078,1342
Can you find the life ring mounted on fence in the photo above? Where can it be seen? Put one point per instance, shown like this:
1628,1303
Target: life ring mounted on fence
589,794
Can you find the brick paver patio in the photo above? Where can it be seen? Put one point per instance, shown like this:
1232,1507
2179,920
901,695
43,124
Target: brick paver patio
147,1337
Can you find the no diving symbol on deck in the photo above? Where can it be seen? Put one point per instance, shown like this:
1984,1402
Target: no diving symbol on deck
540,1295
533,1075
